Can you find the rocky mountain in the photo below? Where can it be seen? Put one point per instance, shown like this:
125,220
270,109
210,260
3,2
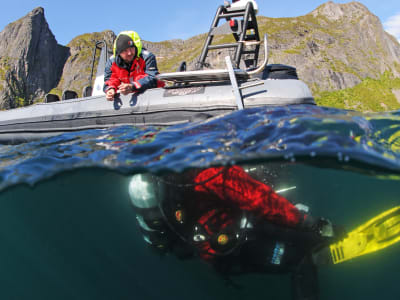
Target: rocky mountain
334,47
31,60
76,73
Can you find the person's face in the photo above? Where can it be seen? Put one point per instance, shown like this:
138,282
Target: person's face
128,54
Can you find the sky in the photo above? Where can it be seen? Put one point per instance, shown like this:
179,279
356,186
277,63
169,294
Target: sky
159,20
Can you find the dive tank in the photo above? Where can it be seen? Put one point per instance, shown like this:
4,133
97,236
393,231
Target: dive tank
145,192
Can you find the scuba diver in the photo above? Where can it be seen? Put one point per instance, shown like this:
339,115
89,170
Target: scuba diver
240,225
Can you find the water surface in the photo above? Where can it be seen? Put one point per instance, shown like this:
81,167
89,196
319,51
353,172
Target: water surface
68,230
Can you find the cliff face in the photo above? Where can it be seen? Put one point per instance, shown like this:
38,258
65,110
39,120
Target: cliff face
31,60
335,46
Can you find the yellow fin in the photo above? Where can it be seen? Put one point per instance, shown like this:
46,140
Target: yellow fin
376,234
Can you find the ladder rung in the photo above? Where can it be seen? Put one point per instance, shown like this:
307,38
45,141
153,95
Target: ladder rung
231,15
248,52
222,46
251,43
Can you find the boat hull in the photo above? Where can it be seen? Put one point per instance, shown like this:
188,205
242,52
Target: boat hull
161,106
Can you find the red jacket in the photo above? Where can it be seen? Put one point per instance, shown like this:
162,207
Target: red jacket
131,74
235,186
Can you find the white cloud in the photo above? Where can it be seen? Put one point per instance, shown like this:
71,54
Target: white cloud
392,25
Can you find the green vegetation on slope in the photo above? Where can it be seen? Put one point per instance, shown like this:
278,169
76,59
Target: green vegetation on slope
77,73
188,54
369,95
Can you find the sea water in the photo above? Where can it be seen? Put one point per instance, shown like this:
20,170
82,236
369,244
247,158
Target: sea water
68,230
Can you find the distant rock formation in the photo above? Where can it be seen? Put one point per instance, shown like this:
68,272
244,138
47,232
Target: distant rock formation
335,46
31,60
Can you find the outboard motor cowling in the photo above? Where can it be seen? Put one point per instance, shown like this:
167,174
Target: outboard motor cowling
278,71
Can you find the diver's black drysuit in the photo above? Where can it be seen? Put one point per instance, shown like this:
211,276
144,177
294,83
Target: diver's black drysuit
236,240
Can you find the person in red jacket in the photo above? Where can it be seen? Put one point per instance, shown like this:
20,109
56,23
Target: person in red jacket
128,71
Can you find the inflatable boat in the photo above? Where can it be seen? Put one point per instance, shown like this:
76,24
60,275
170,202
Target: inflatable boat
189,96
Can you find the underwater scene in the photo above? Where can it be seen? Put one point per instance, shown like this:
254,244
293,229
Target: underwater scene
83,215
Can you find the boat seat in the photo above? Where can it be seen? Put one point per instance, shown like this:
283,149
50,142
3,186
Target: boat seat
87,91
49,98
202,75
67,95
182,67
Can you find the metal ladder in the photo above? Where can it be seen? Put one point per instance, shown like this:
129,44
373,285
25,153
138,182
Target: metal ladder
242,23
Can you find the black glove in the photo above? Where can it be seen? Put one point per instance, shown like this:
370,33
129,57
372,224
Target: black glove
324,227
321,226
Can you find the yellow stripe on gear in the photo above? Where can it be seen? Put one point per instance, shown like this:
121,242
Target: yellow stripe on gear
378,233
